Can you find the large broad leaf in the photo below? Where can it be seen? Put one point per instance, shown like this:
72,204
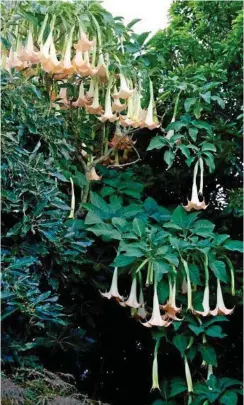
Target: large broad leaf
219,269
203,227
181,343
229,398
22,263
226,382
208,146
215,331
177,386
123,260
160,267
203,125
234,245
139,227
105,230
157,142
208,354
99,202
182,219
169,157
189,102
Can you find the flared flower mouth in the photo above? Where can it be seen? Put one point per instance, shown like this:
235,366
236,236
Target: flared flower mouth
84,44
92,175
108,114
132,300
124,91
95,107
117,106
194,203
28,53
156,318
220,306
113,292
170,307
102,68
82,99
150,121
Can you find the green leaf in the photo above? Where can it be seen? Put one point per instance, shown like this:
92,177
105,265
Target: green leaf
226,382
22,263
139,227
208,354
142,37
177,386
196,329
99,202
219,269
193,133
106,230
163,290
219,100
123,260
160,267
181,343
157,142
181,218
215,331
208,146
133,22
209,160
176,126
184,150
194,274
189,102
172,258
202,125
229,398
169,157
206,96
234,245
203,227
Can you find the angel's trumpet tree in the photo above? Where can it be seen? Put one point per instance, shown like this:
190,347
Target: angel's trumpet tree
132,300
220,307
195,203
113,292
124,91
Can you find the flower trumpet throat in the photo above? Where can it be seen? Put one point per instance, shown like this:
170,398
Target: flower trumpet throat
113,292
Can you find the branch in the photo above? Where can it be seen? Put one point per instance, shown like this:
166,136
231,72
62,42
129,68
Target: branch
130,163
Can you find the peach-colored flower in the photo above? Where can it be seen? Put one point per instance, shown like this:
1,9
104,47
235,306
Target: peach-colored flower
132,300
82,99
108,114
124,91
13,60
62,96
170,307
117,105
156,318
113,292
195,203
205,303
91,90
151,121
220,307
83,43
95,107
92,175
50,62
28,53
66,65
102,68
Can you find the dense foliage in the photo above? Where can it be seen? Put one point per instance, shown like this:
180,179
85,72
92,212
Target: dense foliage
56,258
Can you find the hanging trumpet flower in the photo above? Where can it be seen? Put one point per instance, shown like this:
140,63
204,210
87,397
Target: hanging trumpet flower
171,308
28,53
113,292
72,208
82,100
132,300
155,383
195,203
150,121
220,307
124,91
205,303
83,44
156,318
108,114
95,107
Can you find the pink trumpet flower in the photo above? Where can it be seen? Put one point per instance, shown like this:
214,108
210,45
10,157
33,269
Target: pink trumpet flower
84,44
81,100
29,54
117,105
220,307
151,121
195,203
156,318
108,114
66,65
132,300
95,107
102,69
124,91
51,63
113,292
62,96
170,307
